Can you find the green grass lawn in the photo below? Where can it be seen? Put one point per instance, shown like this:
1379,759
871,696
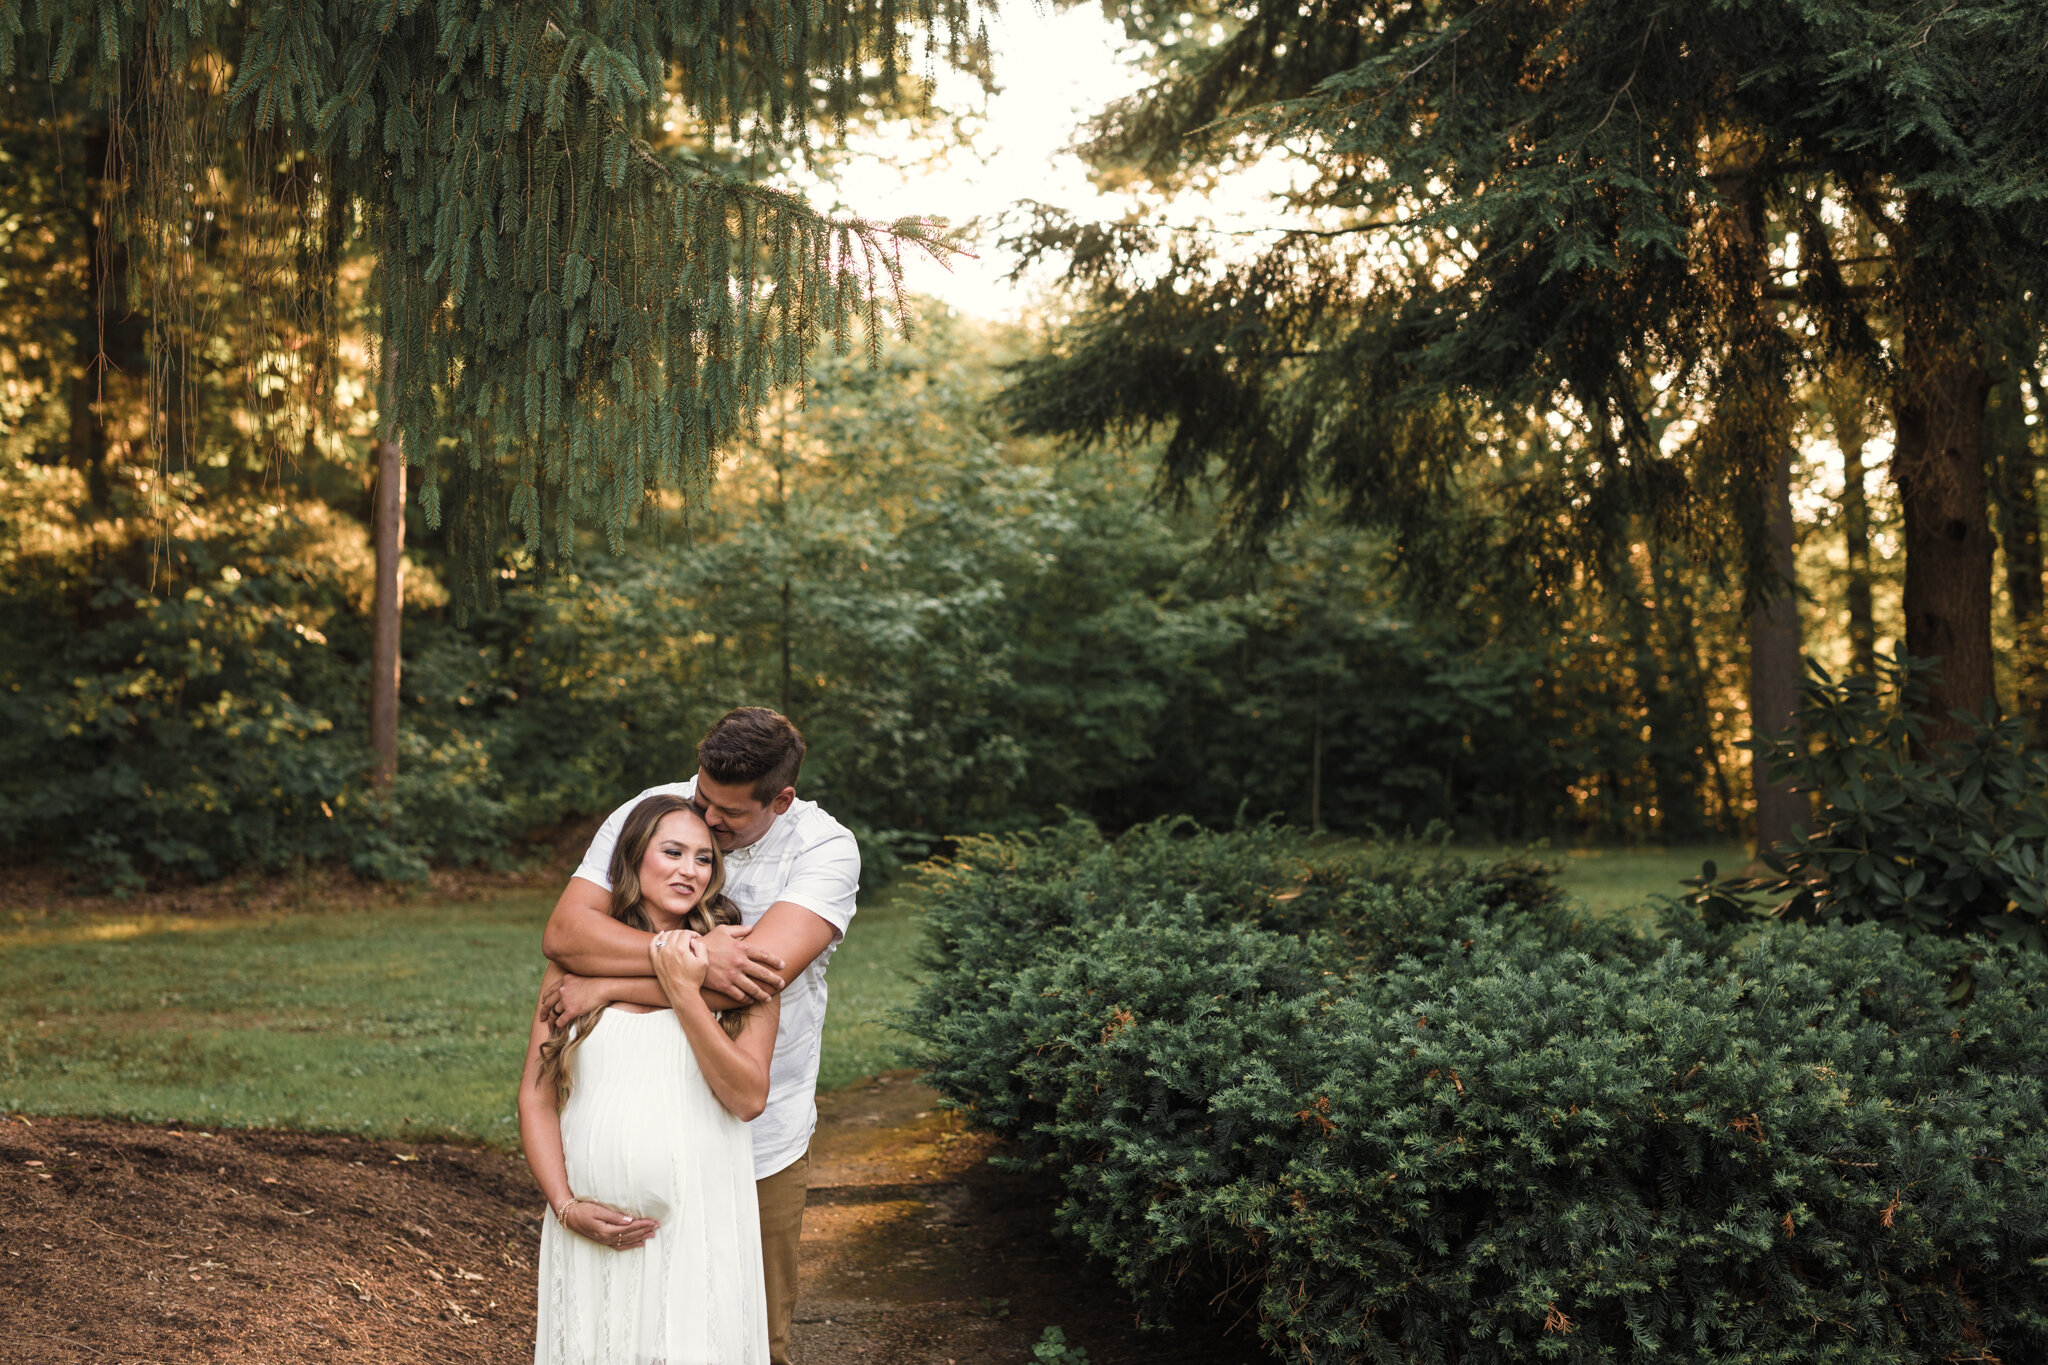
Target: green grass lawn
871,976
1620,878
407,1022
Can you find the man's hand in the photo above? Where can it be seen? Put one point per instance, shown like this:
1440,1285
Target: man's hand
574,996
738,969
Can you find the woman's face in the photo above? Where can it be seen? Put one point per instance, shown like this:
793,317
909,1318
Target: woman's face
676,867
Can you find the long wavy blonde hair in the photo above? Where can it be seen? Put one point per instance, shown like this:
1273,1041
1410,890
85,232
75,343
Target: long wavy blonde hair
713,908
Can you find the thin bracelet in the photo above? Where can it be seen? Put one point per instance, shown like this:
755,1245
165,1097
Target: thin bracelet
562,1213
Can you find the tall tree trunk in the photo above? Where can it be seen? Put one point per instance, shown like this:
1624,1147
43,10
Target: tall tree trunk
1948,537
1938,408
2037,675
1774,662
2013,467
1315,763
388,530
1666,688
1852,433
99,338
1753,427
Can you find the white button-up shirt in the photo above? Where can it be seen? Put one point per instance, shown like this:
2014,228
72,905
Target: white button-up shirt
811,859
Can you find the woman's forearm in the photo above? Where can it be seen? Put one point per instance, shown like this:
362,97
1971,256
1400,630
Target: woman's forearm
740,1083
739,1079
540,1135
631,990
540,1122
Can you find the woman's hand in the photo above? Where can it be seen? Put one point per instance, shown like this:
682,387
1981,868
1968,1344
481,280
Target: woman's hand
607,1226
680,961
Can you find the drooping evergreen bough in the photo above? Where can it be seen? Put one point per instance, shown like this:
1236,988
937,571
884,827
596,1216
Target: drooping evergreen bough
1537,234
568,318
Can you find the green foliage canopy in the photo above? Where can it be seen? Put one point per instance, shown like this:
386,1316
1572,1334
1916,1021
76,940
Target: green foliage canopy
972,631
568,319
1517,208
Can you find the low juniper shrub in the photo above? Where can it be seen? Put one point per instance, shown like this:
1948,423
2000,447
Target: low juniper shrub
1443,1125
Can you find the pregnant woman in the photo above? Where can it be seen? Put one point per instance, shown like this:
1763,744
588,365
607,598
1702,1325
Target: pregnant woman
634,1122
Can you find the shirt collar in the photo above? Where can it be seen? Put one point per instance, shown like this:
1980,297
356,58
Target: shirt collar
776,832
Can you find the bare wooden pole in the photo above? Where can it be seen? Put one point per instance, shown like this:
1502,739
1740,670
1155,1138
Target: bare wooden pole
782,520
388,531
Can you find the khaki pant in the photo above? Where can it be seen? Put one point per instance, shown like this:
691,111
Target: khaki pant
782,1227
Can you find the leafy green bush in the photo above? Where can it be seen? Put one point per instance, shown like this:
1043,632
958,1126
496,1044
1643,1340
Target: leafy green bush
1946,841
217,726
974,632
1448,1127
1052,1349
1002,903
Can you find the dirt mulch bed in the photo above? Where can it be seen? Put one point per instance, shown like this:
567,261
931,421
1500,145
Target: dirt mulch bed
131,1244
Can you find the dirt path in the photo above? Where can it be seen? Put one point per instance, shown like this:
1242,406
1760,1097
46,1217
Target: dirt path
131,1244
918,1252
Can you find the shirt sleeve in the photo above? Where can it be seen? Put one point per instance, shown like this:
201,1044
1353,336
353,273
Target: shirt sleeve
826,879
597,859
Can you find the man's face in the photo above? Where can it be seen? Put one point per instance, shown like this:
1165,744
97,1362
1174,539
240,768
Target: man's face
735,816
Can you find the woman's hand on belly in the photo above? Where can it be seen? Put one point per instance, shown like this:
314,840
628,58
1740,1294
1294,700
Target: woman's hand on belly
607,1226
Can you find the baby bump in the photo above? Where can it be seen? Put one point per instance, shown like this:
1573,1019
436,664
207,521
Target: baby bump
628,1124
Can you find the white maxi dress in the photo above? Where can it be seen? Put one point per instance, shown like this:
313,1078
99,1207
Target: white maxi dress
642,1132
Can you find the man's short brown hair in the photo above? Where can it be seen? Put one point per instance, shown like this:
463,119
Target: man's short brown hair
752,744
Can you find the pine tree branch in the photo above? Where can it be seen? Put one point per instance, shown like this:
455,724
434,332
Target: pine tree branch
1787,293
1381,226
1847,260
1872,208
569,319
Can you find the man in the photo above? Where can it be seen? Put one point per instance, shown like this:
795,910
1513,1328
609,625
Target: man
793,872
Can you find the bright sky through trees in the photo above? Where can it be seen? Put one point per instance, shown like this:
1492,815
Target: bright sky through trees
1056,69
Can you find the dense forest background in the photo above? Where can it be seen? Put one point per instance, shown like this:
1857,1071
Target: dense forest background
976,626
